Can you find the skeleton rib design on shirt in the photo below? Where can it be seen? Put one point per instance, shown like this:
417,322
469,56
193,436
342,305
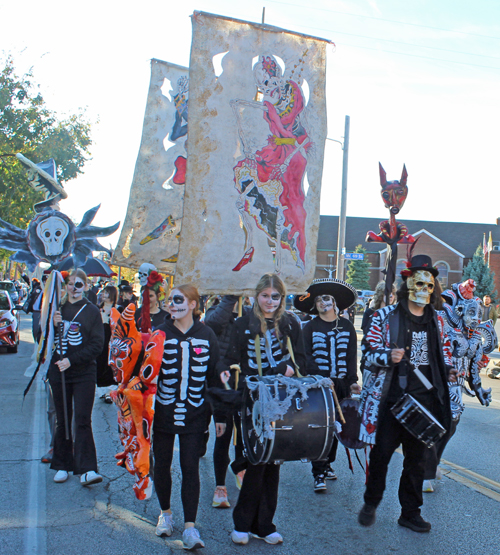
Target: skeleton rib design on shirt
270,351
183,375
71,336
329,351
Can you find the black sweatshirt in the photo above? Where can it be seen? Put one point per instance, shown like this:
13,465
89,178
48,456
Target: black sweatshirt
83,340
274,351
190,364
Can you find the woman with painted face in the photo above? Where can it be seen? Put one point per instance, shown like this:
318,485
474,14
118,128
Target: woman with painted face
82,341
190,365
105,379
331,350
271,326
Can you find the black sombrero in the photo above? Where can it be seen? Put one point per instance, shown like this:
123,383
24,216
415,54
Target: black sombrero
344,294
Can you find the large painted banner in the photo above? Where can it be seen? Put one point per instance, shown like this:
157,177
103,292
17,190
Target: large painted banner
257,128
154,215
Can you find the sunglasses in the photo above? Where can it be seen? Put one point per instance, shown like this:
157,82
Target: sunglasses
324,298
176,299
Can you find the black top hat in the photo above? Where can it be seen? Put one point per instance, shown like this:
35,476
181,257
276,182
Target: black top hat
419,262
344,294
123,283
126,289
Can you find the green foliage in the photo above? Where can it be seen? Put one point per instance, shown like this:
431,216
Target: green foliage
29,127
358,271
477,270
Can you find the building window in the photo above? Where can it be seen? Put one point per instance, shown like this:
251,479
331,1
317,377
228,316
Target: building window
401,265
443,273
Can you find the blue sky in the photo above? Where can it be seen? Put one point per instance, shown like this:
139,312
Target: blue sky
419,79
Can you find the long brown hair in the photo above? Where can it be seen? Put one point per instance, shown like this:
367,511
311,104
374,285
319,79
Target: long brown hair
274,281
191,293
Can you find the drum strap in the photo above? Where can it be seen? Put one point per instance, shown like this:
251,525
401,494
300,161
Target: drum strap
292,356
258,355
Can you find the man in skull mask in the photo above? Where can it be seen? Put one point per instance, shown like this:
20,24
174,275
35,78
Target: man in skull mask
406,352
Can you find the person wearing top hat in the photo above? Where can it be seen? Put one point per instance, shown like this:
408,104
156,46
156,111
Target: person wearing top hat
331,347
405,352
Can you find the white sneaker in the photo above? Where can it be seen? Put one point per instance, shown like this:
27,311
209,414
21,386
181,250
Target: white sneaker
90,478
427,486
273,538
241,538
191,539
220,500
439,474
61,476
165,525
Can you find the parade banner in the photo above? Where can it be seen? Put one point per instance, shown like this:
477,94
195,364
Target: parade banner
257,129
154,215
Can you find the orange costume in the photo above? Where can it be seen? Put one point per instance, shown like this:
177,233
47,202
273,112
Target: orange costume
135,397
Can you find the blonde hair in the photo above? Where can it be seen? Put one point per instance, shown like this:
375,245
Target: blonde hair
379,295
78,272
274,281
191,293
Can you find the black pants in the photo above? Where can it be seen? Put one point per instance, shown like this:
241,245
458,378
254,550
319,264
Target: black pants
258,500
190,446
319,467
390,435
78,456
221,449
434,454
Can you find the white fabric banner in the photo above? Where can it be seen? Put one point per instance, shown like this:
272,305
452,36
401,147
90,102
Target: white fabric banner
257,129
154,215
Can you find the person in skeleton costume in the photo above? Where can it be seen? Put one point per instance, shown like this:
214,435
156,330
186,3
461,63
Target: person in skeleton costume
470,341
82,342
190,365
331,349
407,354
280,339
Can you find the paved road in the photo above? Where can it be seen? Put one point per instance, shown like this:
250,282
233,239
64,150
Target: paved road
40,517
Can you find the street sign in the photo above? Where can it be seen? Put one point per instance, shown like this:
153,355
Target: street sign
354,256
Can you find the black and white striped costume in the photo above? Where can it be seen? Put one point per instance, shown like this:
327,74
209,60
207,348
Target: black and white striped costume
189,365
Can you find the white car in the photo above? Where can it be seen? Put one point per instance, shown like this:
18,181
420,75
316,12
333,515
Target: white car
9,323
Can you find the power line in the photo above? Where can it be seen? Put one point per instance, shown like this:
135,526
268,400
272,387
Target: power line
309,7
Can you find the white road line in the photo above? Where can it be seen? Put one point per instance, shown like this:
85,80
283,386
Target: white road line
35,536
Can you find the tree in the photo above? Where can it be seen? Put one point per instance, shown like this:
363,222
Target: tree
358,271
477,270
29,127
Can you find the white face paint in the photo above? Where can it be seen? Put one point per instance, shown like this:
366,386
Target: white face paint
76,287
324,304
269,301
144,270
178,304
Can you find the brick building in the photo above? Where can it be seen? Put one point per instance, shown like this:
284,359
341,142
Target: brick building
450,245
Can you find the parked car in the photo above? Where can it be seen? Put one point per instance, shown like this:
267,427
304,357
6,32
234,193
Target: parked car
10,287
364,296
9,323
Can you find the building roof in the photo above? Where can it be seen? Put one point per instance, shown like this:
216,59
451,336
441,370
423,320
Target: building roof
463,237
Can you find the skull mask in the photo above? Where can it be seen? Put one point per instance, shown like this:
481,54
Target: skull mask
420,286
52,232
144,271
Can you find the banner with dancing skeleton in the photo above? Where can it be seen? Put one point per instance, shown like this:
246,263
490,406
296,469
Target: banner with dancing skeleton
152,227
257,129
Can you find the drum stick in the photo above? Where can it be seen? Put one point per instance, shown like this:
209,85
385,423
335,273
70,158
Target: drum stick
418,373
237,368
240,306
337,405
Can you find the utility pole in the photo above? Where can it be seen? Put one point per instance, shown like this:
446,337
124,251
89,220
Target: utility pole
343,201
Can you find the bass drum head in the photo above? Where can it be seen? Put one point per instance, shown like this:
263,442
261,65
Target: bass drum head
256,445
350,430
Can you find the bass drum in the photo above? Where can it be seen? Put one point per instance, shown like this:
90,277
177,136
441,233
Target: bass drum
304,433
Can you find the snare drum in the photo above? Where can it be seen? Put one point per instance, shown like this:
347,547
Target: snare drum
304,433
417,420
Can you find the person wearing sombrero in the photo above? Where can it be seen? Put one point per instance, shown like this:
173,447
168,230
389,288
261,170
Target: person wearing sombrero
331,347
406,352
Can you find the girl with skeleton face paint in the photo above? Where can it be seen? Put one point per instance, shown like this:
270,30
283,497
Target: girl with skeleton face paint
81,332
260,344
189,365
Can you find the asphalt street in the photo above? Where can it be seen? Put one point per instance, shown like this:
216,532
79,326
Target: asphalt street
38,516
